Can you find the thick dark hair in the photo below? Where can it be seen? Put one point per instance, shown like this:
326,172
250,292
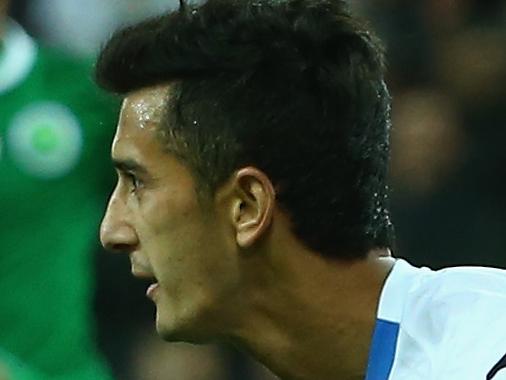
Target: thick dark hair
292,87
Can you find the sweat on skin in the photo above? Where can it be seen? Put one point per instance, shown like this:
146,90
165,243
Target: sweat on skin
232,269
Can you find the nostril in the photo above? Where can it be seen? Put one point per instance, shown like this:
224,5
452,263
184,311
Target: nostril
118,238
120,248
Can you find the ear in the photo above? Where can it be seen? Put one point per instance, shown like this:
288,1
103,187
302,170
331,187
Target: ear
253,205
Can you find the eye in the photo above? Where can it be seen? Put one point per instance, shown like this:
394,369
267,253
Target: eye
135,183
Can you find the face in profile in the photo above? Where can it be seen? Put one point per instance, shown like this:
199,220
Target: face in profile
183,248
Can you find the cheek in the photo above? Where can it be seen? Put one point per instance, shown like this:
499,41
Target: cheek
188,250
165,212
171,230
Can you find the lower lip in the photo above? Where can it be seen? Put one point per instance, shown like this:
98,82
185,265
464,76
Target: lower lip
151,290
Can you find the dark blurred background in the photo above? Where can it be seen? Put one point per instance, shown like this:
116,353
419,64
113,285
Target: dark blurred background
447,75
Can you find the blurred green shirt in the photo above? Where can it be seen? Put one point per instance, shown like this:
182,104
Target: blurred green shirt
55,132
12,369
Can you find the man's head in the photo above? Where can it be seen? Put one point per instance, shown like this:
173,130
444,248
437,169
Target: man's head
235,109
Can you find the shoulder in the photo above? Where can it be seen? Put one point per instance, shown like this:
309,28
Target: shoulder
451,285
472,279
453,318
452,296
459,293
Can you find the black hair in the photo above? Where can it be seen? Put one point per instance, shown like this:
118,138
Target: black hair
292,87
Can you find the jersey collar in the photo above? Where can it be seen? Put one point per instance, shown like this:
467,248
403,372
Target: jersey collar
395,290
389,316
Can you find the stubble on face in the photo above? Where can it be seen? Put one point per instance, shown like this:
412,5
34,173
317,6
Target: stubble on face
183,245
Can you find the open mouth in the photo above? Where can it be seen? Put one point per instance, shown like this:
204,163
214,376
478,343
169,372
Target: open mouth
150,292
150,278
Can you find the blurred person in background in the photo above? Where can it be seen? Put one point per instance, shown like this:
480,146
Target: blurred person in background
53,126
128,345
80,31
252,151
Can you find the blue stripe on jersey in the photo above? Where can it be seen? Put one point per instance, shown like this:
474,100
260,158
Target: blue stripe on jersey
382,351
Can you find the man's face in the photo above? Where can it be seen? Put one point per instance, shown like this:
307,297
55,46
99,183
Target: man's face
155,216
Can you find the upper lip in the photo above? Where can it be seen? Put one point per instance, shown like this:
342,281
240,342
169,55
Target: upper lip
141,273
139,270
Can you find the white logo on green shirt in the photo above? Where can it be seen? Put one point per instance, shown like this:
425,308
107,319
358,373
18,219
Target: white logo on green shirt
45,140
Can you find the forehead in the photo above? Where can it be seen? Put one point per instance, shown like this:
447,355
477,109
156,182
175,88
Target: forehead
144,107
147,104
139,121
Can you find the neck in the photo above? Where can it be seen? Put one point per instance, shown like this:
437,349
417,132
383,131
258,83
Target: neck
314,318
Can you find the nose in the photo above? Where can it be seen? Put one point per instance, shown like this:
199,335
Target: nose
116,231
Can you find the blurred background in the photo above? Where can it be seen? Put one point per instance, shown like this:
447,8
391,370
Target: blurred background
447,75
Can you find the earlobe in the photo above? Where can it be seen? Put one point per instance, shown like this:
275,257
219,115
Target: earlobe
247,235
254,206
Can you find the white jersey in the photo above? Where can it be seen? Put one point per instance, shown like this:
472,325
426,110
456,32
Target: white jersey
440,325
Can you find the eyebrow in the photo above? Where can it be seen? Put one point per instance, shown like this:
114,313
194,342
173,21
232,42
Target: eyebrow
128,165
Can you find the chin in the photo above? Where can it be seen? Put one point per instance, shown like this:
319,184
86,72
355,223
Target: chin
184,335
182,329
